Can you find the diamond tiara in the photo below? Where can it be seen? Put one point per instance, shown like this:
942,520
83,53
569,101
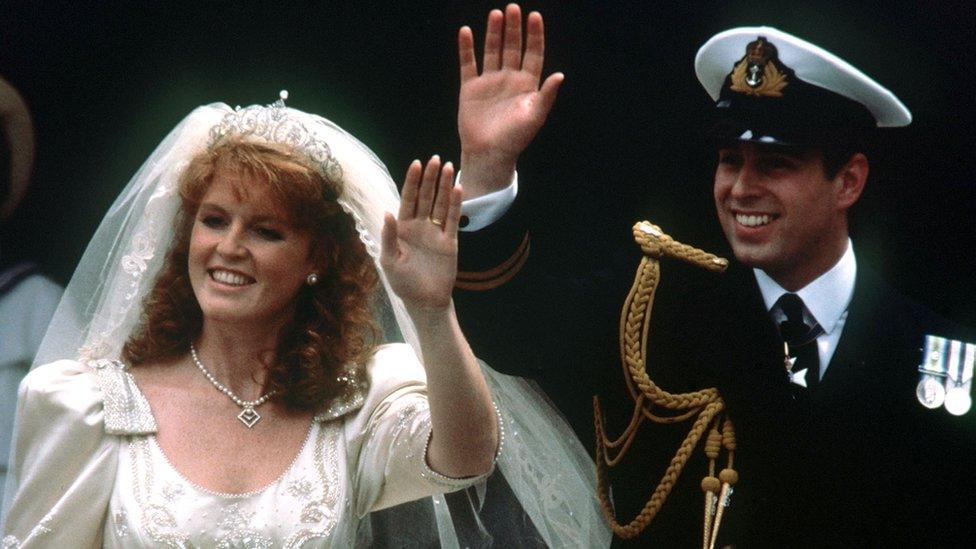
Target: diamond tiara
275,123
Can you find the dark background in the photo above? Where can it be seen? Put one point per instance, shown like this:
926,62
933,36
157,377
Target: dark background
106,82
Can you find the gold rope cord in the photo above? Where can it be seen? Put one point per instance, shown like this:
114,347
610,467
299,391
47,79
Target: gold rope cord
706,404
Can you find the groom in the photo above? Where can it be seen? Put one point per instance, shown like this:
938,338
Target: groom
833,446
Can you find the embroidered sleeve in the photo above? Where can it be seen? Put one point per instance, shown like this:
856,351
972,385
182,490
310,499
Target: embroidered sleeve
127,411
391,433
451,483
63,466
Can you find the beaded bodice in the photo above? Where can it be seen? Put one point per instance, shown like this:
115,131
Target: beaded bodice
152,503
95,452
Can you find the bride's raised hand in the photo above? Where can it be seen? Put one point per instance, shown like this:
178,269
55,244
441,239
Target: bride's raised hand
420,244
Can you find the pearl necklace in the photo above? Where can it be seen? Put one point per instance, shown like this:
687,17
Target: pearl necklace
248,415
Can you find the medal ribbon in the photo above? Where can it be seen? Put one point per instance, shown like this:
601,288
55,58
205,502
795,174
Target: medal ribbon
934,357
960,363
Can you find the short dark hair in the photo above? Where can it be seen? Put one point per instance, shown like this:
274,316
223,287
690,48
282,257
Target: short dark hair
837,153
834,155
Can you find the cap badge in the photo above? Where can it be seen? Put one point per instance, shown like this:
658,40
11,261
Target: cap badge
757,73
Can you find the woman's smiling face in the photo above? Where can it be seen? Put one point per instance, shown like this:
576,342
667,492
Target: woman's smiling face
247,262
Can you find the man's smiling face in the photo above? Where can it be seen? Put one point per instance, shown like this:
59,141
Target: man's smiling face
779,210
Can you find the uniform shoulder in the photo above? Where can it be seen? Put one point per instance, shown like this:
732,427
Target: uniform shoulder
879,298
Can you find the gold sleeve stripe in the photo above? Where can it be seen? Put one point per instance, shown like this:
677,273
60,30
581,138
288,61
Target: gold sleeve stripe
500,269
498,275
481,286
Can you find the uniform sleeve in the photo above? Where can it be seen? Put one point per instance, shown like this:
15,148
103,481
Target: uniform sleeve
493,254
388,437
63,464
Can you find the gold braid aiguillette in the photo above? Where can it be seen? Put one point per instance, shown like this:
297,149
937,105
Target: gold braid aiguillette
705,406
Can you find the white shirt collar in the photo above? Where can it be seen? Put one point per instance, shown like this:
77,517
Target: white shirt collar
826,298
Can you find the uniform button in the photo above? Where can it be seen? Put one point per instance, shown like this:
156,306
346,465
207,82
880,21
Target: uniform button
463,222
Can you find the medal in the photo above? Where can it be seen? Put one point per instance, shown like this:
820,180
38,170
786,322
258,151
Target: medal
946,375
958,401
798,377
930,391
959,380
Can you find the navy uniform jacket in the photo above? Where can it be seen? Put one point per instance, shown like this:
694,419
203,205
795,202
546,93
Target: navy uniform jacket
857,462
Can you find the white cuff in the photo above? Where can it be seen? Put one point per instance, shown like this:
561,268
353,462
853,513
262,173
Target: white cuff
487,209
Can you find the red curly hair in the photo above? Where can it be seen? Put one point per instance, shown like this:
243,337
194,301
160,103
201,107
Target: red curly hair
321,353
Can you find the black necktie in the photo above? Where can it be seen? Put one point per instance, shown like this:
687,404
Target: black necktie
801,338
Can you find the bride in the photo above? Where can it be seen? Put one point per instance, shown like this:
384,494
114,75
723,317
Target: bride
259,349
230,390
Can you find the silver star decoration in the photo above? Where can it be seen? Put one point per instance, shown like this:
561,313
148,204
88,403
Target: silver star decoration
800,376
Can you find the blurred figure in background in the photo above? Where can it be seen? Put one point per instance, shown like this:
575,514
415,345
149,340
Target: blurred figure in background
27,298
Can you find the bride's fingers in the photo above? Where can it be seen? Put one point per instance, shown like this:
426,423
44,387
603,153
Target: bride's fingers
408,197
428,187
443,199
389,238
454,213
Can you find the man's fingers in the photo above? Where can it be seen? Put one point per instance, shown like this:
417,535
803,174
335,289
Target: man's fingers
408,196
466,60
535,45
493,41
512,53
547,94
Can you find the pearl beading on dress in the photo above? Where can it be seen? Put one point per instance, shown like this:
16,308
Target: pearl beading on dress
451,482
248,415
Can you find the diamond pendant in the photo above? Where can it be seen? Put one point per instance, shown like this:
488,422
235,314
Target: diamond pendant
249,416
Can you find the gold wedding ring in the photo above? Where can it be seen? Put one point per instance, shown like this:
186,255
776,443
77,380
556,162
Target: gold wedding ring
435,221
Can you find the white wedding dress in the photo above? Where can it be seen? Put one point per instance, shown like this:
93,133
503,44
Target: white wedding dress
86,471
93,467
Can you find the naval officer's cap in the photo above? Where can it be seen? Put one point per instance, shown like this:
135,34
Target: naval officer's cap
772,87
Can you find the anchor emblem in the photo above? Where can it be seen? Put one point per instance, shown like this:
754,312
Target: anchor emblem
758,72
